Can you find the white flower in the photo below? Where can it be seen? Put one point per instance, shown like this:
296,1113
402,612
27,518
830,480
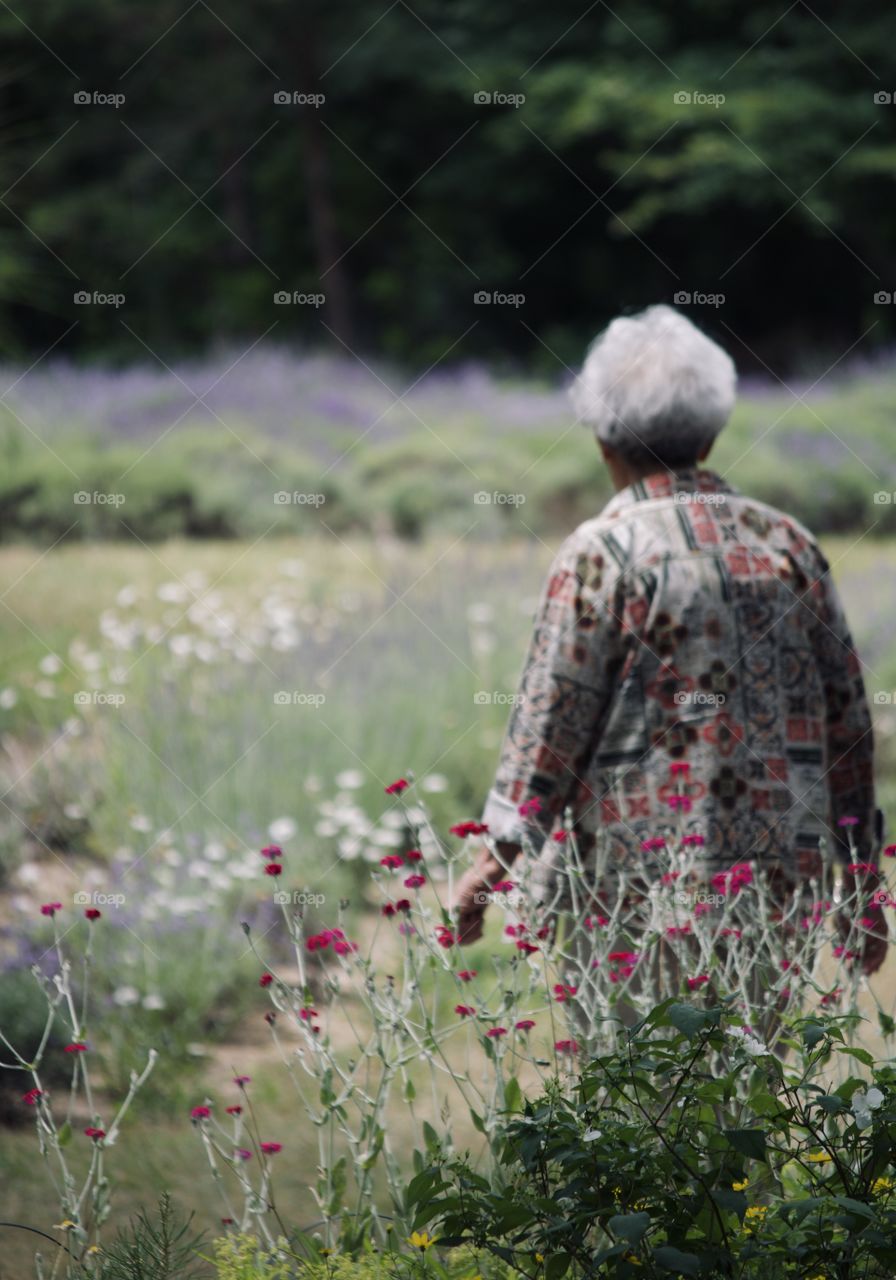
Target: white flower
313,783
8,698
126,596
45,689
282,829
50,665
153,1001
750,1044
126,995
173,593
350,779
140,822
434,782
864,1101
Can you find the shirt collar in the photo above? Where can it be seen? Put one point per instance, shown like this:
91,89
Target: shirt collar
665,484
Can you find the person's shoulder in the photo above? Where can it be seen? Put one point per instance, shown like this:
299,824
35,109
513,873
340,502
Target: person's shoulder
796,534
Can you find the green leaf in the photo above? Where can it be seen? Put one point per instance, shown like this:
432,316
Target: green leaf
684,1017
749,1142
556,1266
862,1054
410,1092
854,1206
886,1023
631,1226
478,1122
513,1095
64,1136
813,1032
672,1259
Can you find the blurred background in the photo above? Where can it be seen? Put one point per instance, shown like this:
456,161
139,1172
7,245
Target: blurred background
290,297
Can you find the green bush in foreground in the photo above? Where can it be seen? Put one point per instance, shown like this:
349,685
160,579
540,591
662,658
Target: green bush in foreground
657,1167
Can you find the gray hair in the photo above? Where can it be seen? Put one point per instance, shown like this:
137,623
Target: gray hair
655,388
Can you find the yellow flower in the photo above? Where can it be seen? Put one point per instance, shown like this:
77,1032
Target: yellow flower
539,1257
630,1257
881,1186
421,1240
740,1186
756,1211
819,1157
325,1253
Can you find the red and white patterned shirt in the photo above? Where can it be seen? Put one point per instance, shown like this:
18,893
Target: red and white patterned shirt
689,623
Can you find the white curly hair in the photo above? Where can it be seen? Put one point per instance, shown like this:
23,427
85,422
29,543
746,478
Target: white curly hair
655,388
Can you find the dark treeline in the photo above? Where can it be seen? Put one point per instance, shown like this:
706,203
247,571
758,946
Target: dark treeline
741,154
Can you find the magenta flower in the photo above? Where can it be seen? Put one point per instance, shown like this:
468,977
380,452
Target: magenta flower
241,1081
694,983
388,909
403,904
563,992
241,1153
413,855
92,913
529,806
467,975
679,802
679,767
847,822
524,1024
30,1098
273,869
567,1046
234,1111
392,860
560,836
76,1047
396,788
266,979
465,1010
272,852
200,1113
654,842
863,868
414,882
95,1133
464,829
527,947
495,1033
50,908
692,840
503,886
625,957
271,1148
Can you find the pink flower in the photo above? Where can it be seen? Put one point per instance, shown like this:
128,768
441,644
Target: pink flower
414,882
600,921
626,957
235,1111
343,947
679,767
692,840
200,1113
529,806
396,788
444,936
679,802
392,860
832,996
388,909
514,930
495,1033
560,836
701,908
266,979
30,1098
240,1081
676,931
50,908
273,852
694,983
654,842
465,1010
563,992
241,1153
847,822
273,869
567,1046
503,886
524,1024
467,975
76,1047
403,904
527,947
863,868
271,1148
94,1133
890,851
92,913
413,855
669,877
464,829
727,933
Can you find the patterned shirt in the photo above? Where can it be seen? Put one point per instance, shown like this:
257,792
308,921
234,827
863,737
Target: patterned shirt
689,624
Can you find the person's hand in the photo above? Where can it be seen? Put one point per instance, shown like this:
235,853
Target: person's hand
872,940
471,896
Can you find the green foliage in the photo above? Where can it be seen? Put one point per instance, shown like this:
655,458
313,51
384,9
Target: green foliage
161,1246
654,1167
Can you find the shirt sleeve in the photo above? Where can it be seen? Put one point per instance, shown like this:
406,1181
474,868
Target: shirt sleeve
849,736
555,721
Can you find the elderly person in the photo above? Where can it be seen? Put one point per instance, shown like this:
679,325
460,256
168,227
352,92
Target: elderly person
685,624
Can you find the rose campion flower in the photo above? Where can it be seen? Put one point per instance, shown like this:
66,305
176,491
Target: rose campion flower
413,855
396,788
266,979
529,806
200,1113
527,947
392,860
273,869
694,983
694,839
465,1010
464,829
242,1153
654,842
524,1024
467,975
77,1047
234,1111
50,908
503,886
560,836
30,1098
566,1046
495,1033
848,821
271,1148
94,1133
679,767
240,1081
92,913
414,882
272,852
